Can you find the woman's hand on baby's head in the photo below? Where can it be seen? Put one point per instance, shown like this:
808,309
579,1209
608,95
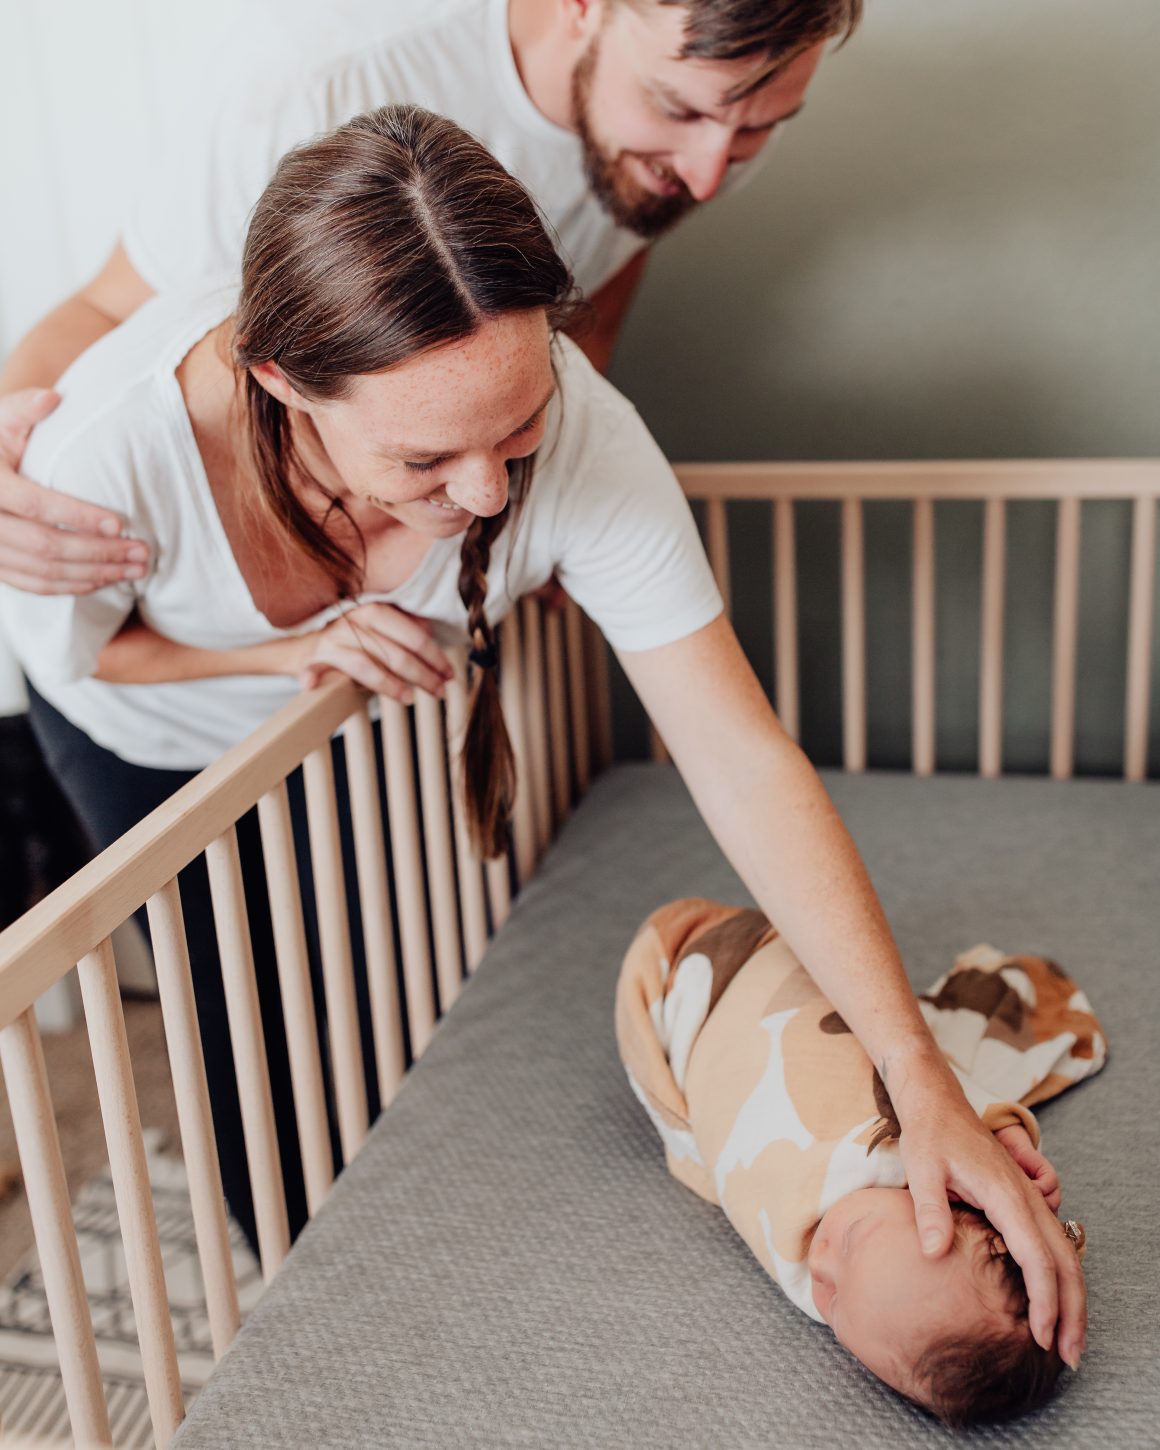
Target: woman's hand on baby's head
384,649
1017,1141
944,1148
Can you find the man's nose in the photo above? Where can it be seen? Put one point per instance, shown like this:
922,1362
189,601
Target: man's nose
703,169
481,489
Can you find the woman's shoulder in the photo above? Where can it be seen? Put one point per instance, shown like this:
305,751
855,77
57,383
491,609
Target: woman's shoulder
588,415
118,397
583,387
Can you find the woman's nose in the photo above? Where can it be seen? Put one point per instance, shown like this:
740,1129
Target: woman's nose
481,490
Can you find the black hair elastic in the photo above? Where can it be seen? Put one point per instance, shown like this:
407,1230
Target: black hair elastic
484,659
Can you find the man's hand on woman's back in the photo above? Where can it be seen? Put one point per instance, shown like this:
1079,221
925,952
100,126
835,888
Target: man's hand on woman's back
50,543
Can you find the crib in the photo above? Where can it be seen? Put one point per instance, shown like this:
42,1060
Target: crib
428,910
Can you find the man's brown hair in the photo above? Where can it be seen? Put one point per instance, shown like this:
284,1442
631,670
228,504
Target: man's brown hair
771,32
393,235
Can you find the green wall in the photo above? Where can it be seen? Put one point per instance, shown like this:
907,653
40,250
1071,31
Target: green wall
953,253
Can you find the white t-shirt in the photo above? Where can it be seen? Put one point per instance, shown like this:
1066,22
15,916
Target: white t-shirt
453,57
605,513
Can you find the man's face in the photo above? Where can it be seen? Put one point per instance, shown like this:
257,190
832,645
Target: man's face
659,134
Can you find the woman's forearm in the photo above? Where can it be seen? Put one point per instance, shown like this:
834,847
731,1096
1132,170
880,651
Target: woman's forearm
786,840
139,655
772,817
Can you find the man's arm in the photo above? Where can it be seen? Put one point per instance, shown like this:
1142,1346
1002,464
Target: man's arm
50,543
609,307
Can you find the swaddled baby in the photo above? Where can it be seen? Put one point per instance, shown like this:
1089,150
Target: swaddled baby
769,1106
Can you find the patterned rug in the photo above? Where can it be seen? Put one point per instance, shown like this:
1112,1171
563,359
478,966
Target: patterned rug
32,1402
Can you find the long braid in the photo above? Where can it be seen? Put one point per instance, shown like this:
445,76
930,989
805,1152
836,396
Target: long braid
488,761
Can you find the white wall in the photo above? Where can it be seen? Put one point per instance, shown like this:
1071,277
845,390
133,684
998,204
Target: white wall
88,89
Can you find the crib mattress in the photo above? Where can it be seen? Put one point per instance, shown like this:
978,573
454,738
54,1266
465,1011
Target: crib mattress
508,1263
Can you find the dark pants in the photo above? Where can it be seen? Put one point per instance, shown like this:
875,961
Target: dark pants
110,795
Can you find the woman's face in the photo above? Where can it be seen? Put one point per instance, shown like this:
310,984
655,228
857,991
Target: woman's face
428,442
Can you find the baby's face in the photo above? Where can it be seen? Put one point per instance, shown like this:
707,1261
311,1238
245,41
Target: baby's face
883,1298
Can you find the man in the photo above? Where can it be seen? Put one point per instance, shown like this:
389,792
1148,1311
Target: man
619,116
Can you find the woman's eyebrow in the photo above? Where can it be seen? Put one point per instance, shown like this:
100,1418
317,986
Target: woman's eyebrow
422,455
532,418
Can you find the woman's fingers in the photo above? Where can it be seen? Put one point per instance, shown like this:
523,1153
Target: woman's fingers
412,633
932,1212
954,1151
359,666
1051,1271
415,658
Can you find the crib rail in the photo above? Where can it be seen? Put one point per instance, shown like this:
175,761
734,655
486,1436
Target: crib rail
1067,483
435,899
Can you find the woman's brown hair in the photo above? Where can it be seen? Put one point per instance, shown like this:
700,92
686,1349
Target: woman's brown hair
393,235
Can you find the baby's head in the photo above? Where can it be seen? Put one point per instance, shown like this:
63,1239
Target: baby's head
952,1333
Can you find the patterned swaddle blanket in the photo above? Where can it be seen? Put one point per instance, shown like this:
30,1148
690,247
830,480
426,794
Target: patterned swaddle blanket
766,1102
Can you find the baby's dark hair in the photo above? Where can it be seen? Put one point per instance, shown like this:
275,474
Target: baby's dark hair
1003,1373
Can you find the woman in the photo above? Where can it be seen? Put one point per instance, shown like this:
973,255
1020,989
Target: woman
342,466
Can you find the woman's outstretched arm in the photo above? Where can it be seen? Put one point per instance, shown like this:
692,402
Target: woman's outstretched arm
771,815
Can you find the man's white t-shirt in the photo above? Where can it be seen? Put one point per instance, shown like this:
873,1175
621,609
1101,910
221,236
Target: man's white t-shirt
453,57
605,513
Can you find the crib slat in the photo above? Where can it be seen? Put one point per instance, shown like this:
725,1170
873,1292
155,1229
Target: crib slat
187,1067
97,972
657,749
346,1059
536,713
30,1104
374,892
577,698
1139,638
499,890
853,637
249,1049
512,684
437,834
599,696
1067,538
410,892
297,994
923,641
785,617
470,873
717,547
557,714
991,675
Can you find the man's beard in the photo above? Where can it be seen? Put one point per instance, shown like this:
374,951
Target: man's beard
629,203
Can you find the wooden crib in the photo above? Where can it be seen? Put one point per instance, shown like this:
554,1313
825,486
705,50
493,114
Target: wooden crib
433,899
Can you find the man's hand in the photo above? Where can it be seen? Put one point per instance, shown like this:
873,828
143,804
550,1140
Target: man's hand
50,543
1017,1141
946,1147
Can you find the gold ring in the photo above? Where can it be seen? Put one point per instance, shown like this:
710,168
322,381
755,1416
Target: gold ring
1076,1233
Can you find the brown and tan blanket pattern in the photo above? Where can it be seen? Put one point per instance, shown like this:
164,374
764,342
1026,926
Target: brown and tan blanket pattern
766,1102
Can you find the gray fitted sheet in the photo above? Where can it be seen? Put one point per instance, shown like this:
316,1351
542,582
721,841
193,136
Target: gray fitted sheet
507,1262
